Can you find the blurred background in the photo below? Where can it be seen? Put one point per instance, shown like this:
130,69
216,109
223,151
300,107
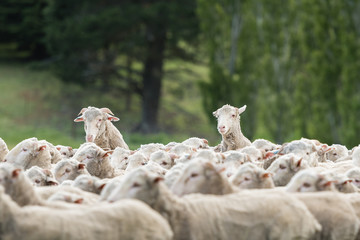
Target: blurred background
163,67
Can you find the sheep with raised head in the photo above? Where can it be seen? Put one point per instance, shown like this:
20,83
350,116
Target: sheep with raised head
229,127
250,176
3,150
41,177
109,221
69,169
99,129
30,152
285,167
201,176
244,215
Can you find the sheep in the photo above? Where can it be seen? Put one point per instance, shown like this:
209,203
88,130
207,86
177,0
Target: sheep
334,212
21,190
233,160
136,160
109,221
69,169
201,176
65,151
40,177
285,167
244,215
28,153
99,129
109,187
3,150
354,175
337,151
302,148
54,153
148,149
341,182
182,149
67,197
172,175
309,181
163,158
265,145
356,156
89,183
96,160
155,168
120,158
229,127
197,143
250,176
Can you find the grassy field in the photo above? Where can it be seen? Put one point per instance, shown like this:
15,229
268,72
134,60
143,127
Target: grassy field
37,104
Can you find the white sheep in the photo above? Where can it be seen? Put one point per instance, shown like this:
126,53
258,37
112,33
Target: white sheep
41,177
181,149
163,158
99,129
148,149
69,169
3,150
229,127
65,151
54,153
354,175
109,221
109,187
265,145
334,212
120,158
201,176
302,148
356,156
246,215
89,183
285,167
233,160
30,152
155,168
337,151
136,160
197,143
250,176
172,175
96,160
309,181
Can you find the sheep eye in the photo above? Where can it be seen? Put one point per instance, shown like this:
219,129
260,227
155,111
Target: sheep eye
307,153
63,153
246,178
126,158
259,158
37,181
233,115
357,180
100,120
164,163
334,154
194,175
282,166
135,185
67,170
24,149
307,185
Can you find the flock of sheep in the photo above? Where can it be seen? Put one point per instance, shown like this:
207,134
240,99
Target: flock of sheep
239,189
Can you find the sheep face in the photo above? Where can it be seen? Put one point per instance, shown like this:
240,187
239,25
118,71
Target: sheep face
309,181
120,158
228,118
233,160
139,184
249,176
354,175
199,177
337,151
162,158
285,167
65,151
40,177
3,150
68,170
94,121
136,160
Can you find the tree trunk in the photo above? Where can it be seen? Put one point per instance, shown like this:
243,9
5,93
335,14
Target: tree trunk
152,77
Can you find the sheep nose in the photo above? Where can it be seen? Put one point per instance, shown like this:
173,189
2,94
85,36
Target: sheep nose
222,128
89,138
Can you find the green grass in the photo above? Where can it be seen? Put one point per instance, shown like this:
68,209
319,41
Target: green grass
34,103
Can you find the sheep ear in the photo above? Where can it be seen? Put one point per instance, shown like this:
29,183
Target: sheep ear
158,179
81,166
108,153
15,173
298,164
70,148
242,109
79,119
347,181
82,111
266,175
216,113
43,147
58,148
52,183
102,186
79,201
106,110
112,118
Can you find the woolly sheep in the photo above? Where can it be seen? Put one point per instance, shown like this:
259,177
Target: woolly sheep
148,149
163,158
65,151
201,176
136,160
89,183
334,212
337,151
172,175
69,169
3,150
302,148
28,153
99,129
109,221
54,153
233,160
109,187
229,127
285,167
245,215
250,176
309,181
96,160
120,158
265,145
155,168
356,156
354,175
182,149
197,143
40,177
